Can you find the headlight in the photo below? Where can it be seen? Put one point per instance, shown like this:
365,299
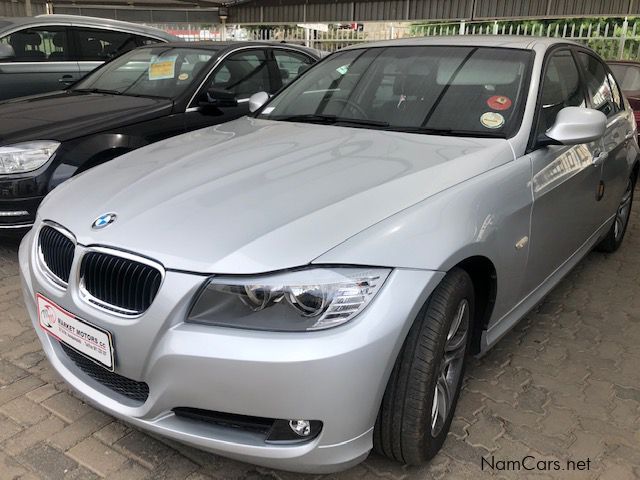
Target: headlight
27,156
309,299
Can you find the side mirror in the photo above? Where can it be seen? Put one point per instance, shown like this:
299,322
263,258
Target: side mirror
257,100
6,51
576,125
217,97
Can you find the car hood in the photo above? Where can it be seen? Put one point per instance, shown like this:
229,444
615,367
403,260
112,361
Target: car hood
65,115
255,195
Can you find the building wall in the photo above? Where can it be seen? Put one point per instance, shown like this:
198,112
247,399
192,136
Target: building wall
10,8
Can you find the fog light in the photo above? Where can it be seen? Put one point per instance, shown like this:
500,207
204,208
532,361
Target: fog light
301,427
293,431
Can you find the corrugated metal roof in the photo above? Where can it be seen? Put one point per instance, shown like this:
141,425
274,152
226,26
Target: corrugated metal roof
298,11
342,11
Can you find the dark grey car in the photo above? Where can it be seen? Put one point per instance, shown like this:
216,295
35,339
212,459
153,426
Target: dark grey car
48,52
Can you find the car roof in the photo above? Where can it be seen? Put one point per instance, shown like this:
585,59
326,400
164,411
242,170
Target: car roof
7,23
502,41
231,45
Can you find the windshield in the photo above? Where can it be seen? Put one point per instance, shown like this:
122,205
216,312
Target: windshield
421,89
155,72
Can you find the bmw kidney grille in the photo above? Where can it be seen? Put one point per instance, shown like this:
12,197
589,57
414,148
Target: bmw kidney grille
56,250
119,284
111,280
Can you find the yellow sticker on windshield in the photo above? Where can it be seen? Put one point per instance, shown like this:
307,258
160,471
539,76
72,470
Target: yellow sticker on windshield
162,68
492,120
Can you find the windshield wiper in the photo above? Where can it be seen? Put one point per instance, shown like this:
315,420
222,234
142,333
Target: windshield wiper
97,90
143,95
330,120
449,132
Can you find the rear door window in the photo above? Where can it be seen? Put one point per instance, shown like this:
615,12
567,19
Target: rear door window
101,45
39,44
291,64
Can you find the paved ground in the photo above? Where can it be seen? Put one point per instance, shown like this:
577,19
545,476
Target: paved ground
564,385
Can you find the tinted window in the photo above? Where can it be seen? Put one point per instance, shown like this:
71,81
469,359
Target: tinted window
39,44
101,45
422,89
628,76
291,64
243,73
561,88
153,71
598,86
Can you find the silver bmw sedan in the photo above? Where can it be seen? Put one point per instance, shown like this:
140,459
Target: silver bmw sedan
299,286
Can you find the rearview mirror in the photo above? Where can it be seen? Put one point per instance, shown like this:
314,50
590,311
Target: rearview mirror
6,51
217,97
576,125
257,100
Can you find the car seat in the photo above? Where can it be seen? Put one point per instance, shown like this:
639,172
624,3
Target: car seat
91,49
59,41
21,40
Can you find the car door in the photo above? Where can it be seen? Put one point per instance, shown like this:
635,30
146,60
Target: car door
604,95
242,73
95,46
42,61
564,179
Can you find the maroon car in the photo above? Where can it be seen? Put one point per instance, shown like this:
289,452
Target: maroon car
628,75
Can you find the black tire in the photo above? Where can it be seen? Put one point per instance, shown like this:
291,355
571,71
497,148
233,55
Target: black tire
403,430
616,233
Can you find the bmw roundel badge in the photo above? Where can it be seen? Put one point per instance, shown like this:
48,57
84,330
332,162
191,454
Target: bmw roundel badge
103,221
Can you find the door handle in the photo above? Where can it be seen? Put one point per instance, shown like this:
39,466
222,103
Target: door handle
599,158
66,79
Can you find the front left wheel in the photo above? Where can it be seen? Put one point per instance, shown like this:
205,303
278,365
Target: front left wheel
422,392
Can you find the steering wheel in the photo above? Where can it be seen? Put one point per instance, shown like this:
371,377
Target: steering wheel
352,104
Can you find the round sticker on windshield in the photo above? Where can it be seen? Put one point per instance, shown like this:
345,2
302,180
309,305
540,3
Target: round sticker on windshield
492,120
499,102
183,76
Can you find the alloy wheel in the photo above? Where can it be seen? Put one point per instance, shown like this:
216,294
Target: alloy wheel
450,368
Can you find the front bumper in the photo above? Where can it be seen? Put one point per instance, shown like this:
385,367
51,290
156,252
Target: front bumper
20,197
337,376
18,213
